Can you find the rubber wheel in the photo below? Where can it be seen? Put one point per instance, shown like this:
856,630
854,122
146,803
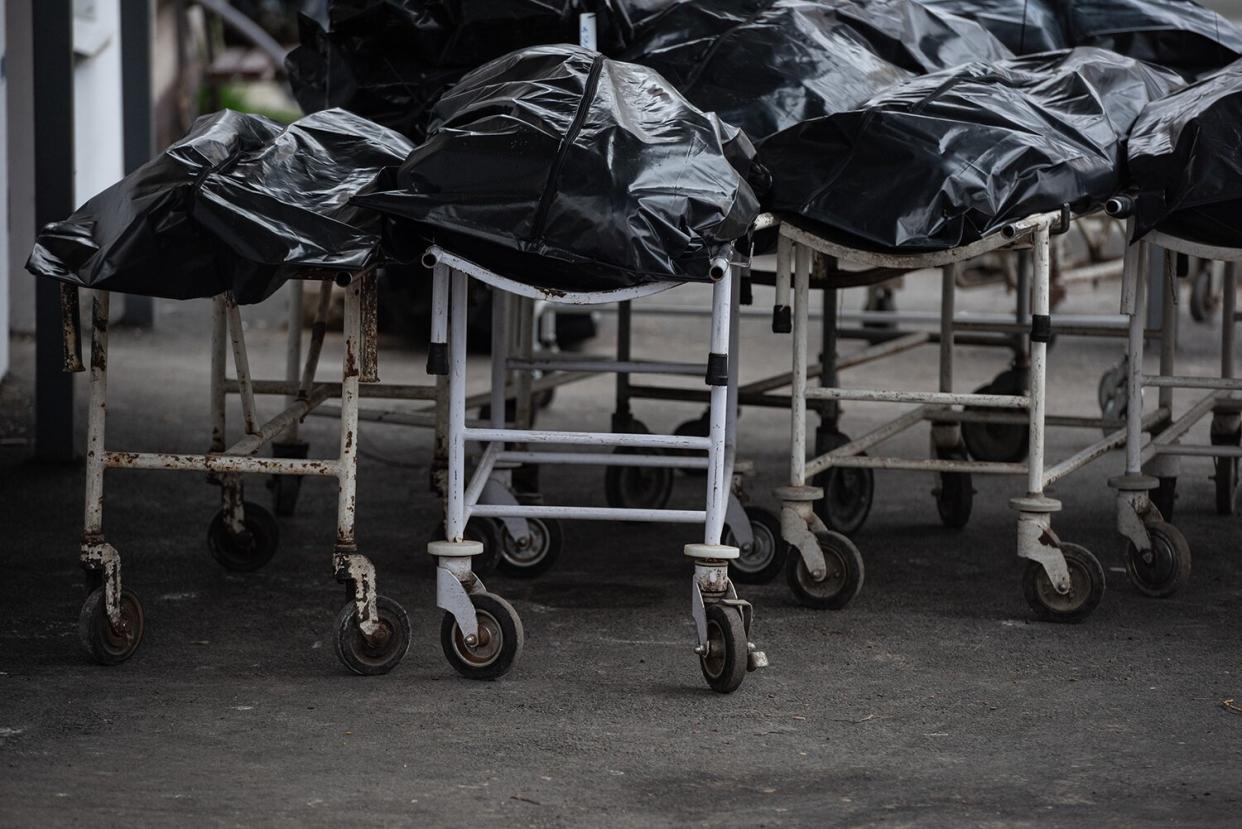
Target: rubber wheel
698,428
1086,587
1166,569
1202,302
500,639
250,549
1113,393
547,541
765,558
841,582
848,493
96,635
285,489
637,487
1165,497
955,495
998,442
724,664
371,658
1226,478
487,532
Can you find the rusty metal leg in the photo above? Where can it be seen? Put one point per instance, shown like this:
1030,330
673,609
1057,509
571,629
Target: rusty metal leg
353,569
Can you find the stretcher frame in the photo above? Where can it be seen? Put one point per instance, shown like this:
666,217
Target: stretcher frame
456,584
225,464
1049,586
1158,558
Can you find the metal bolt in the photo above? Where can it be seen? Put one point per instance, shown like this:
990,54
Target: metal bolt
819,574
472,640
701,650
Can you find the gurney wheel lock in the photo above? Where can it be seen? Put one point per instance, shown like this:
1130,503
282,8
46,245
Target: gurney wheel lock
764,558
102,642
841,582
1204,302
499,644
530,557
1164,497
955,495
1086,587
383,650
723,661
248,550
1226,479
1164,569
700,427
999,442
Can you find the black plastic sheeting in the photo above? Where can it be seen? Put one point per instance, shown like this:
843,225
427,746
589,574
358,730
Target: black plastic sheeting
241,203
765,65
1179,34
1186,165
948,158
1025,26
571,171
389,60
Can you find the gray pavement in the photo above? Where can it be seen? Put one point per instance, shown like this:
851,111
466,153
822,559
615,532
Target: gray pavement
934,700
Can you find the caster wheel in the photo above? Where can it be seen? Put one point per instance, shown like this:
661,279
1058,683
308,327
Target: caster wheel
724,664
248,550
637,486
998,442
1165,569
955,496
848,494
500,639
1165,497
386,648
103,643
841,582
487,532
1203,302
765,556
1113,391
881,299
286,488
698,428
1086,587
1226,478
535,556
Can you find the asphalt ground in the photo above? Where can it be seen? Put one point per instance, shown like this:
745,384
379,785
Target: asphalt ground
933,700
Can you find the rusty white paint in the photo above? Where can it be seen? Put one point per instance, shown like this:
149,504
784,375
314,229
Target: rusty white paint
996,401
293,355
1037,374
241,364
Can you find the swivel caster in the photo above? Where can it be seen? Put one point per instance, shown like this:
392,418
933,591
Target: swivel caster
380,652
998,442
248,550
499,642
1165,496
531,556
700,427
955,495
637,487
1164,569
1113,392
1086,587
723,660
1226,476
841,580
286,488
103,642
848,492
1204,301
764,557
